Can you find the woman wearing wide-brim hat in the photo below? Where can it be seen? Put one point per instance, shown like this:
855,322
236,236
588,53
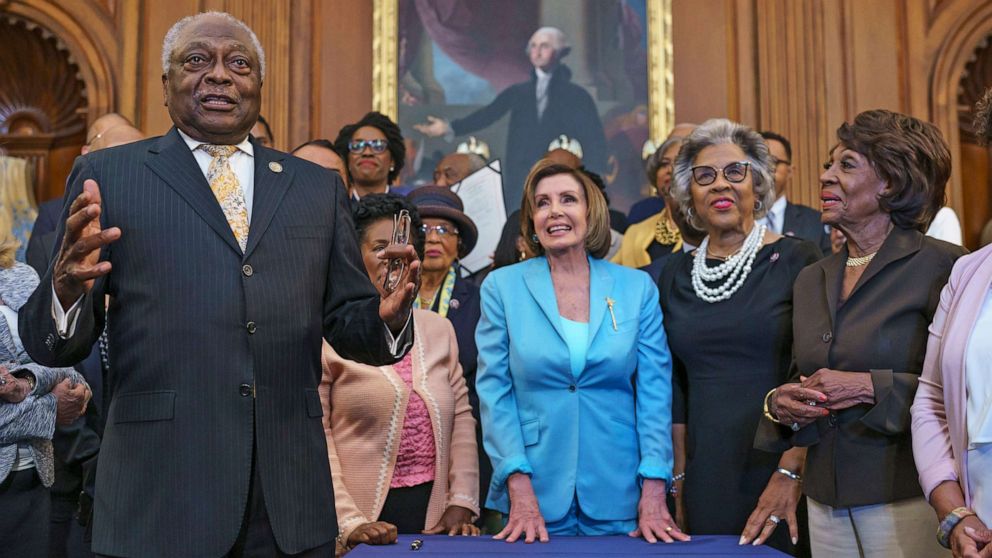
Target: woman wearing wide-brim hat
450,236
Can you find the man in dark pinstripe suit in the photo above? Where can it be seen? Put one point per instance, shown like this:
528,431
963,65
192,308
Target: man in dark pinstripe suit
213,443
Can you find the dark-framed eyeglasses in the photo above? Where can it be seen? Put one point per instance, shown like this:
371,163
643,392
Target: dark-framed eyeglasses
736,172
377,145
441,230
777,162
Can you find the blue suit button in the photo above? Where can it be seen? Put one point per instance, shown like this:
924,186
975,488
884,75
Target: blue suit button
571,388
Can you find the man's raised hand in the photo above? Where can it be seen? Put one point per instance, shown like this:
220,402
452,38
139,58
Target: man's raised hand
77,264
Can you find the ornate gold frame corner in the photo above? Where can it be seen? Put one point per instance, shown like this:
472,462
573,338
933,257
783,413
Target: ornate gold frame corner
661,78
385,30
661,75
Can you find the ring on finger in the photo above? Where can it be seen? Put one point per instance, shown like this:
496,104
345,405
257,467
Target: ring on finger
669,529
774,519
811,402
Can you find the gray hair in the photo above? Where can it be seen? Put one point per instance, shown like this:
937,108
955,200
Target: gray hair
169,44
653,163
717,131
561,42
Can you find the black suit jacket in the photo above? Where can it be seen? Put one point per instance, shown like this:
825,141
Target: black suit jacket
863,455
570,111
804,222
41,243
216,354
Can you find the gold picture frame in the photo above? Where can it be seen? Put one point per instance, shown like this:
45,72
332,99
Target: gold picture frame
660,78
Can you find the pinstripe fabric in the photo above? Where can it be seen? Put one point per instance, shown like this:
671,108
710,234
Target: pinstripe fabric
175,463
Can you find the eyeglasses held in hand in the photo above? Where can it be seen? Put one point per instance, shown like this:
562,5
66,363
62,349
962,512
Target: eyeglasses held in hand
377,145
704,175
401,236
441,230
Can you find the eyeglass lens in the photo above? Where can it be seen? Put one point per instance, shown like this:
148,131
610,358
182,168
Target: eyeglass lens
441,230
377,145
734,172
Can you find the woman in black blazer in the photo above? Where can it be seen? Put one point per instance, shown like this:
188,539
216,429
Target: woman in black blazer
860,329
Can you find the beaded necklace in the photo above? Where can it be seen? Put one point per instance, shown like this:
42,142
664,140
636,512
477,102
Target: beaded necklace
732,272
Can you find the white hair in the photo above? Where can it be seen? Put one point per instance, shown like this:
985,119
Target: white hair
169,44
558,36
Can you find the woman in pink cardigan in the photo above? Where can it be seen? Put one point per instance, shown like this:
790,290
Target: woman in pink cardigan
400,438
952,412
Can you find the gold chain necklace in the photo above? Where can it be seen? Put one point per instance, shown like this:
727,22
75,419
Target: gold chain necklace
665,232
860,261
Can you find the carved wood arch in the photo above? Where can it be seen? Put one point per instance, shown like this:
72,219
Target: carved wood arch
59,78
957,32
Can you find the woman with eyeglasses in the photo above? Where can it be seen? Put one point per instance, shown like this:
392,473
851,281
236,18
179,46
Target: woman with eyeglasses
449,235
400,438
728,315
658,236
376,154
860,340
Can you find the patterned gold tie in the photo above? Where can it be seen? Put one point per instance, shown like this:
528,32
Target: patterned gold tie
227,189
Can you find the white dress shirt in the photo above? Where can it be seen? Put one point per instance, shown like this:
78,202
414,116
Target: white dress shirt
946,226
543,80
775,218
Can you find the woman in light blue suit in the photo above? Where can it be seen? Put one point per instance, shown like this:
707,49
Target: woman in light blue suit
565,342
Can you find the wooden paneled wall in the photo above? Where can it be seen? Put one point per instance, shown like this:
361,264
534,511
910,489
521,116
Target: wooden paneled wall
803,67
799,67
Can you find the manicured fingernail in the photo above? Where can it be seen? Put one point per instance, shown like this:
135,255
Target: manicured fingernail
795,540
742,541
756,542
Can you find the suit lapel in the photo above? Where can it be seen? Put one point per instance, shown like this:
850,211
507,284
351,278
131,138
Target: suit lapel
600,288
833,271
899,244
272,180
965,314
174,163
537,277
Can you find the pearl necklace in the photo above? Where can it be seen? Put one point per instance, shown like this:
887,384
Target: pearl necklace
733,271
860,261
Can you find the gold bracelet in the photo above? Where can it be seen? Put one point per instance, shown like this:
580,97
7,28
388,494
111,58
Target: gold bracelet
768,414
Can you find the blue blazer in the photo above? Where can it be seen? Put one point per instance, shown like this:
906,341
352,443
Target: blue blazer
588,436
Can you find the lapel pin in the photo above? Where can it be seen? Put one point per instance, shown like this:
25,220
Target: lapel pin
774,257
275,167
613,317
454,304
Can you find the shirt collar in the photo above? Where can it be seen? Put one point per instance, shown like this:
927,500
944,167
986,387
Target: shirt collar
779,206
245,145
542,75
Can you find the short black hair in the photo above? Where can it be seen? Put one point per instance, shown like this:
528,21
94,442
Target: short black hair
268,129
326,144
394,139
374,207
779,138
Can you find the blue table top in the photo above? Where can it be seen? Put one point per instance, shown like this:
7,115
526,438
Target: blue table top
604,547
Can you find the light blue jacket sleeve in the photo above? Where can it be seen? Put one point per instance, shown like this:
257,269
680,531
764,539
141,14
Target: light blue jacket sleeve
502,435
654,389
